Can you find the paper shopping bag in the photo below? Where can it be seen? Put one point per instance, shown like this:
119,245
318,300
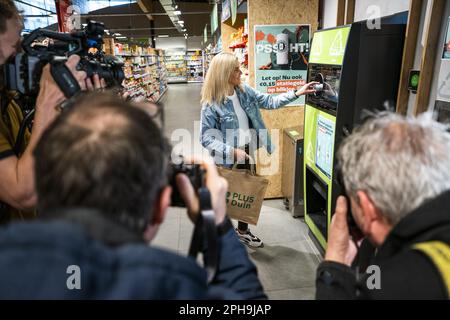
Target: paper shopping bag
245,194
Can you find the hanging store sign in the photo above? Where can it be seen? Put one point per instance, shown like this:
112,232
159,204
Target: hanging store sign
226,10
234,6
281,58
214,19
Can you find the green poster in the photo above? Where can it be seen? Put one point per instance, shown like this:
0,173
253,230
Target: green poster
447,42
281,58
328,47
214,19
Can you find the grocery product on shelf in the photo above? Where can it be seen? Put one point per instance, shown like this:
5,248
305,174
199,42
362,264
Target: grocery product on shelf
194,62
210,52
145,76
162,74
176,66
239,45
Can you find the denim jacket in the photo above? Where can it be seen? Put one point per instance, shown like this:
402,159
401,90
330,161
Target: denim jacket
216,119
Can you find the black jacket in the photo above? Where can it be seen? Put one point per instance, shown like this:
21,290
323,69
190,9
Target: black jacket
36,257
406,273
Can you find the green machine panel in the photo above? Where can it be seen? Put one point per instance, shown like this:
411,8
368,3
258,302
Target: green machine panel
328,46
319,132
357,69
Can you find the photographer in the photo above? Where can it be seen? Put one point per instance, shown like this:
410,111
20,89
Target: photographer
102,184
17,192
406,218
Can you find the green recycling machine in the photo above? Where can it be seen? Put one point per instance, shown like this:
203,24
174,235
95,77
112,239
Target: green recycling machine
358,68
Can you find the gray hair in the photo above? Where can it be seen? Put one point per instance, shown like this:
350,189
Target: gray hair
399,162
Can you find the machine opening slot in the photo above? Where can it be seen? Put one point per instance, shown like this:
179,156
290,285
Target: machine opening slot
317,201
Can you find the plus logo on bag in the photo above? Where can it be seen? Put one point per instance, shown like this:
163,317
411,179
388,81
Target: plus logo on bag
245,195
239,200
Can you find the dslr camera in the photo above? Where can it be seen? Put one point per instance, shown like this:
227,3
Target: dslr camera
195,174
354,230
45,46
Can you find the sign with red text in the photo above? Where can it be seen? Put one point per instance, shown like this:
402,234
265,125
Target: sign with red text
281,58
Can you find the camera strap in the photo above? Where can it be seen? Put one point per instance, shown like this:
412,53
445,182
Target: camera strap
206,229
64,78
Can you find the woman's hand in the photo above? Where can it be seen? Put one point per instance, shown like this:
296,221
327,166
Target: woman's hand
239,155
306,89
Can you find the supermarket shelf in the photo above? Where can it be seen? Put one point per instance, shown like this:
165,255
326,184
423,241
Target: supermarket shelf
162,94
136,55
177,80
146,72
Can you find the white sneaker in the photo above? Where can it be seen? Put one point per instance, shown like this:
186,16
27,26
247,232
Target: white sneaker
249,239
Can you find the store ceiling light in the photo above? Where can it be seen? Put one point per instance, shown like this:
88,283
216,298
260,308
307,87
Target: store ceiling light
123,37
177,12
116,34
163,36
180,21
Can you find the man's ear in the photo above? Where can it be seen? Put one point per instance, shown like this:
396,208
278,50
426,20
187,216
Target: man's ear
369,211
161,205
162,202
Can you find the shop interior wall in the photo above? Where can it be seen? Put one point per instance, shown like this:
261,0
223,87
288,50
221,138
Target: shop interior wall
171,43
263,12
329,13
389,7
363,9
195,43
227,28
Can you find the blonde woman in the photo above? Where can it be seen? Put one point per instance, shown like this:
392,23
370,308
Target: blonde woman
231,121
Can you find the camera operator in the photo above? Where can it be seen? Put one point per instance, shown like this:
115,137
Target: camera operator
17,192
406,216
102,184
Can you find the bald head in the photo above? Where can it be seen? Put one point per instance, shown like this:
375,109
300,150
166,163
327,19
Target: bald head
103,154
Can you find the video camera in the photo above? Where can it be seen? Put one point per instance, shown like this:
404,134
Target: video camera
24,73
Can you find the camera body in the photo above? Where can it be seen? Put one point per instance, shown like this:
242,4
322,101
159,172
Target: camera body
195,174
354,230
24,72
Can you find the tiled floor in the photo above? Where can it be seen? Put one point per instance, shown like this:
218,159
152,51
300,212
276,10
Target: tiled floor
287,263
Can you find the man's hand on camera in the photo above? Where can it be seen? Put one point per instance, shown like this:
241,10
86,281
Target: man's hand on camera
50,95
340,248
216,185
96,84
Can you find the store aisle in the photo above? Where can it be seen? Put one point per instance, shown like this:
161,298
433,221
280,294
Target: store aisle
182,106
287,263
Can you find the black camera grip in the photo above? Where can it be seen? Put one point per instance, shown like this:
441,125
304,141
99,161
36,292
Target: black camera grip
64,79
206,233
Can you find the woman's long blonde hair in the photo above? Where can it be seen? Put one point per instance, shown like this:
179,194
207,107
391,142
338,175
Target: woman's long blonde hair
217,83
